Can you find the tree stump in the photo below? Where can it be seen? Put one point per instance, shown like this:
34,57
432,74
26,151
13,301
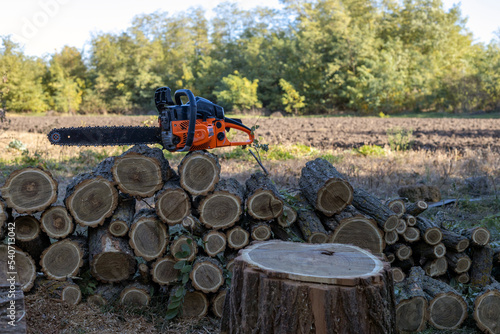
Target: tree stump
223,207
141,171
309,288
29,190
324,187
199,172
172,203
263,199
57,222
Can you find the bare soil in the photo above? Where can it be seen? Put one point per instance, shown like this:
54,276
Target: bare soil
322,133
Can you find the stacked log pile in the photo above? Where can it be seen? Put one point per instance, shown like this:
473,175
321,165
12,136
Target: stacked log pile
135,250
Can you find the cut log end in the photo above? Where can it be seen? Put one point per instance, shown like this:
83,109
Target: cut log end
486,311
412,234
480,236
163,271
195,305
137,175
57,222
433,236
25,266
176,248
218,303
262,232
334,196
113,266
27,228
447,311
237,237
398,274
215,243
71,294
207,275
220,210
148,236
135,297
118,228
264,205
411,314
29,190
360,231
199,172
173,205
62,259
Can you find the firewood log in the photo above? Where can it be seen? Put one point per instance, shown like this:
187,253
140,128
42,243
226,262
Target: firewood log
429,231
30,237
193,226
423,249
237,237
447,308
482,264
92,197
148,236
402,226
207,274
63,291
311,227
105,294
5,217
401,251
455,241
397,206
416,208
411,303
141,171
263,199
195,305
371,206
163,271
478,236
214,243
410,220
391,237
111,258
176,248
324,187
172,203
260,231
57,222
405,265
463,278
458,262
288,217
123,216
29,190
412,234
135,295
223,207
330,281
436,267
398,275
24,267
199,172
217,302
487,308
359,231
65,258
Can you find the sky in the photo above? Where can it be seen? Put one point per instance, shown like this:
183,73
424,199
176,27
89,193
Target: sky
45,26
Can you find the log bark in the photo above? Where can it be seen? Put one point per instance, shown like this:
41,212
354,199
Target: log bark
412,234
447,307
263,199
163,271
176,248
437,267
458,262
424,250
454,241
111,258
478,236
29,190
322,295
324,187
30,237
57,222
135,295
237,237
429,231
92,197
12,309
64,258
411,303
148,236
195,305
207,275
199,172
193,226
420,193
172,203
487,309
24,267
123,216
359,231
214,243
401,251
141,171
63,291
288,217
482,264
223,207
371,206
105,294
5,218
311,227
416,208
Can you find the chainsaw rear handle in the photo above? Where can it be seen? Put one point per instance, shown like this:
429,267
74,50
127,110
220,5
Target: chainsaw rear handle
193,110
231,124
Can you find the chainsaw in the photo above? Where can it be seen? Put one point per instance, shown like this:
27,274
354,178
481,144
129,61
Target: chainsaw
199,124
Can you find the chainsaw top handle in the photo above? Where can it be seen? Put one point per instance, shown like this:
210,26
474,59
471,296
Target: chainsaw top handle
237,125
193,110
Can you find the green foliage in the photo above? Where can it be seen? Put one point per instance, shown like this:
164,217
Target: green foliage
17,145
291,99
400,139
370,150
238,92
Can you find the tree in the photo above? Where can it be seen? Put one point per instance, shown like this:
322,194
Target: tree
238,93
291,99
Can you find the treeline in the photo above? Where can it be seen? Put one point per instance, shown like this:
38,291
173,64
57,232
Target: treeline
314,56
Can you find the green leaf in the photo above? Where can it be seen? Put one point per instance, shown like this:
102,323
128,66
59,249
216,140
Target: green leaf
172,313
180,292
186,269
185,279
186,248
180,264
174,304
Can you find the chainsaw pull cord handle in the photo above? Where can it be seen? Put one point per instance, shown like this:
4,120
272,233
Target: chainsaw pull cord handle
193,110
